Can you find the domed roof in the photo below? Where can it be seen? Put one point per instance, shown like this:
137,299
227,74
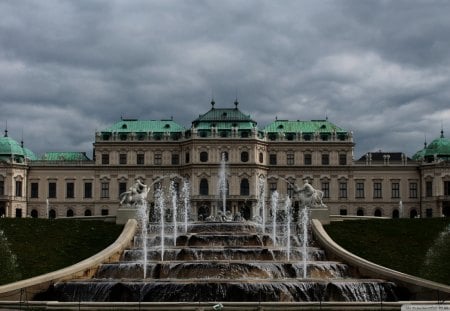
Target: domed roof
440,148
9,146
29,154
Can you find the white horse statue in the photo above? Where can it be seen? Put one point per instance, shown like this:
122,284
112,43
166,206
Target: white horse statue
136,195
309,196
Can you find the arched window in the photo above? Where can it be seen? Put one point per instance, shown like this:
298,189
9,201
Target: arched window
360,212
261,157
413,213
244,156
203,156
87,212
395,213
52,214
377,213
245,187
204,189
69,213
34,214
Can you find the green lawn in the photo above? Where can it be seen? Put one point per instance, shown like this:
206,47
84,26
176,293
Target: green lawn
418,247
42,245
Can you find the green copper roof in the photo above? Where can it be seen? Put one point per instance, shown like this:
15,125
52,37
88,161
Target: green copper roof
440,147
29,154
136,126
223,115
226,125
9,146
64,156
319,126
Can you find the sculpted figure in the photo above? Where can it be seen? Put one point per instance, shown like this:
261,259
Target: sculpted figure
309,196
136,194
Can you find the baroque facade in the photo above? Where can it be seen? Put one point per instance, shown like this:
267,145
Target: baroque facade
284,154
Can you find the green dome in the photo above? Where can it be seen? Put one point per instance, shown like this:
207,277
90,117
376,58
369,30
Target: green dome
9,146
29,154
440,148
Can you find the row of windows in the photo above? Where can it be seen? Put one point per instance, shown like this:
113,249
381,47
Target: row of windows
204,157
69,213
395,213
70,190
343,187
377,190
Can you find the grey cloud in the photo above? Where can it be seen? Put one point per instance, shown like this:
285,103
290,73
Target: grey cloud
379,68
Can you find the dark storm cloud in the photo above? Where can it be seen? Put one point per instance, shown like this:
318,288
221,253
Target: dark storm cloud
379,68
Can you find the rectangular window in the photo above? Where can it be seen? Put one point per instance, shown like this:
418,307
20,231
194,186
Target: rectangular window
307,159
325,159
359,190
122,158
429,212
343,190
187,157
105,212
326,189
88,190
273,159
34,190
105,158
446,188
175,159
52,190
377,190
343,212
70,190
158,159
395,190
290,159
342,159
272,187
2,187
122,187
18,188
140,159
18,213
413,190
104,190
429,188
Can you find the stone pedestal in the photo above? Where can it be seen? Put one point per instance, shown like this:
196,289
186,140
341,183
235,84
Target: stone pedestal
125,213
321,214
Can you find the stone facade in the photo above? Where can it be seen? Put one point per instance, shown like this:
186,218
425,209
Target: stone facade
285,153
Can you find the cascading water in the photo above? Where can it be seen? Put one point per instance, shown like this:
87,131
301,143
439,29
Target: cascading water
274,202
288,207
174,195
225,261
222,185
262,202
185,193
304,238
160,205
143,218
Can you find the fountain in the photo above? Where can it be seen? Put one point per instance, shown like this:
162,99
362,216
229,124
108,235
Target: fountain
274,207
222,184
224,260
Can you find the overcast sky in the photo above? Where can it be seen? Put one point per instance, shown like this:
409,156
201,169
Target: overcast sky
378,68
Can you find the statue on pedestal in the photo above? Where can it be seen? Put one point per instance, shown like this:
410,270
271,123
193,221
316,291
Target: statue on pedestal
135,196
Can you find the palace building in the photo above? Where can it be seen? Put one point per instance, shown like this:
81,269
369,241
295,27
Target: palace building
283,154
